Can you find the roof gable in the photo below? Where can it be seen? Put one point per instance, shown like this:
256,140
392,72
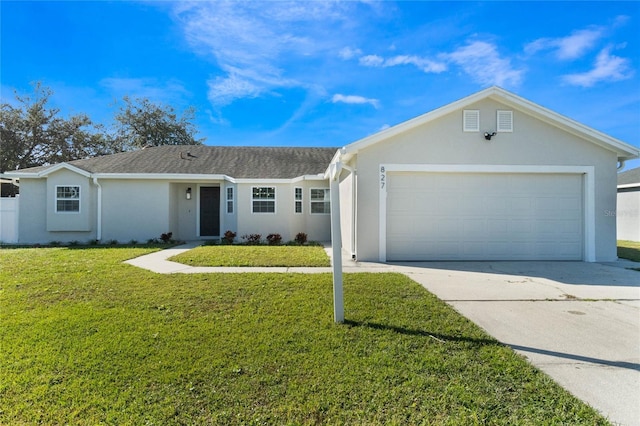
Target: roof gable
624,151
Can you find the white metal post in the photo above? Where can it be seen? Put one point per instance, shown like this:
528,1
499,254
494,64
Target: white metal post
336,244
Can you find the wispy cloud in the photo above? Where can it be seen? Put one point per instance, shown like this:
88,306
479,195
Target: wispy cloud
607,67
354,99
570,47
347,53
424,64
253,42
482,62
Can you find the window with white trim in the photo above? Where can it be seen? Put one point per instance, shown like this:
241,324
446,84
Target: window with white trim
504,121
471,120
264,199
320,201
229,199
67,199
297,200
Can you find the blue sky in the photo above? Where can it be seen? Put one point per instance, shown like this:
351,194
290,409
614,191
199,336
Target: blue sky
325,73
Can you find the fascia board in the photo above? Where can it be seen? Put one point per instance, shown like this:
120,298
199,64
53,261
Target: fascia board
161,176
629,185
46,172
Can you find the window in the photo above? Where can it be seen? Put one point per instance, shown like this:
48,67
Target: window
471,120
264,199
320,201
504,121
229,200
298,200
67,199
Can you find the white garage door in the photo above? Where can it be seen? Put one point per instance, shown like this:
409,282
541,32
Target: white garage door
484,216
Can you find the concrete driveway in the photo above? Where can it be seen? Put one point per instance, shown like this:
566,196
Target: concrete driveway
578,322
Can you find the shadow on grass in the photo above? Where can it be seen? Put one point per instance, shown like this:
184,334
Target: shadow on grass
411,332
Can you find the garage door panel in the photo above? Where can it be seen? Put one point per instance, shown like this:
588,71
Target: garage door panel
466,216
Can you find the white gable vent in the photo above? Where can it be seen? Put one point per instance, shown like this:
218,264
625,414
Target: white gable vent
504,121
471,120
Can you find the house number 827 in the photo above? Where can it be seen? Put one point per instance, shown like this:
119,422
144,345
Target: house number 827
382,177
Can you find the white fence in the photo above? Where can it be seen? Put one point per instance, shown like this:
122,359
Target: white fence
9,219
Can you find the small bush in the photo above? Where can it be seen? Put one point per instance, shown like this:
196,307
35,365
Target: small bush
133,242
228,237
274,239
153,241
93,242
112,242
252,239
55,244
166,238
301,238
211,242
74,243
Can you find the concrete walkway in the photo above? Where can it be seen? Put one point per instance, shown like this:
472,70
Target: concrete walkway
578,322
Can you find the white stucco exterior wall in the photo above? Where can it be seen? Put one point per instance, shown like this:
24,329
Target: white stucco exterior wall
628,215
443,142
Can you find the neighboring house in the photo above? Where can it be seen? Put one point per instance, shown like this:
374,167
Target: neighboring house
194,192
443,186
489,177
628,211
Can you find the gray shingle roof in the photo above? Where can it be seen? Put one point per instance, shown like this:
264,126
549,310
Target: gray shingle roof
630,176
237,162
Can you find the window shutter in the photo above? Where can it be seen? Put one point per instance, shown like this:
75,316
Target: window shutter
504,121
471,120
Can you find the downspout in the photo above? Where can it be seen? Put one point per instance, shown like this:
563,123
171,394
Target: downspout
99,208
621,164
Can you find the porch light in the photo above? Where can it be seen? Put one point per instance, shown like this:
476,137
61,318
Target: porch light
188,193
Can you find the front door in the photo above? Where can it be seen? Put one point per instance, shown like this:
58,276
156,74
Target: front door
210,211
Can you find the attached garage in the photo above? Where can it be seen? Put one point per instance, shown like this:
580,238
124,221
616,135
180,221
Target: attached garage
484,216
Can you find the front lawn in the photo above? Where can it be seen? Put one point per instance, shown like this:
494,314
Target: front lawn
256,256
86,339
629,250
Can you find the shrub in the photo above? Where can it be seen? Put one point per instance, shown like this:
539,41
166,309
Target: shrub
74,243
152,241
274,239
55,244
301,238
133,242
166,238
93,242
252,239
228,237
113,242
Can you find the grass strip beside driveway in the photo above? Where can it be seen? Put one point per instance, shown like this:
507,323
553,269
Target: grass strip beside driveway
629,250
87,339
254,256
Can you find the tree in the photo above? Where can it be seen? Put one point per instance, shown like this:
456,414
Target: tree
142,123
32,133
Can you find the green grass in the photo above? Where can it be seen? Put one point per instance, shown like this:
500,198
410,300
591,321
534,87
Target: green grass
254,256
86,339
629,250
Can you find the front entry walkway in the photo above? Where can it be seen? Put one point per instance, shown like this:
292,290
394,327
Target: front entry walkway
578,322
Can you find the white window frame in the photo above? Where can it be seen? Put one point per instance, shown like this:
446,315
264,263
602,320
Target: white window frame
72,198
262,199
298,200
230,198
326,200
470,115
505,113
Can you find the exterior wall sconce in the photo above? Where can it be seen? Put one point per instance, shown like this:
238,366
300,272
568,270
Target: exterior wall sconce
488,135
188,193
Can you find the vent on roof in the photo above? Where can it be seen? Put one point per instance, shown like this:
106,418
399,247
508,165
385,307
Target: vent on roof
504,121
471,120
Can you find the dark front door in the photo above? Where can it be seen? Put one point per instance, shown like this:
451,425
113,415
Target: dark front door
210,211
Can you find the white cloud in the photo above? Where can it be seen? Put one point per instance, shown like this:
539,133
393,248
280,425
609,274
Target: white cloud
607,67
347,53
482,62
371,61
570,47
255,43
354,99
426,65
